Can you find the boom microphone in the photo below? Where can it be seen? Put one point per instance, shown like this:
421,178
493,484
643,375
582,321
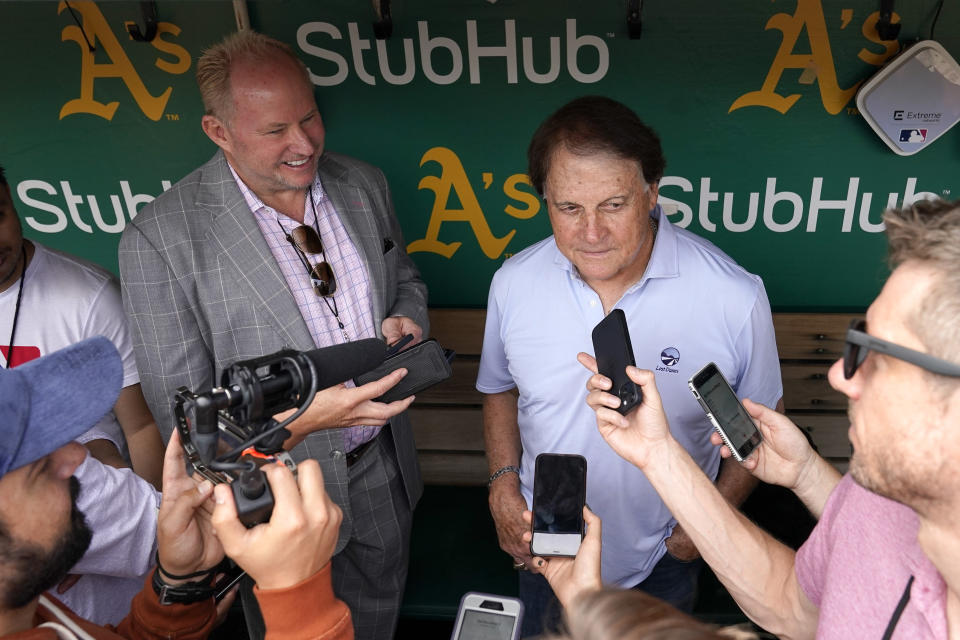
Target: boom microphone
346,361
267,385
252,391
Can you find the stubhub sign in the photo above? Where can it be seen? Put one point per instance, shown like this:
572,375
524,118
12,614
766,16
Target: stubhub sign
440,59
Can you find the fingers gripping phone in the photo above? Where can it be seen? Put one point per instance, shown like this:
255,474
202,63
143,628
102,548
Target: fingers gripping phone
724,410
486,617
612,348
226,582
559,493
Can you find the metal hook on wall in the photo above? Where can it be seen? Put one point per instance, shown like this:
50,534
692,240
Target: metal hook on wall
886,29
149,12
383,26
634,22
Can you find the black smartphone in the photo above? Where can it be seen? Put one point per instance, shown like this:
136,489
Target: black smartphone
559,493
612,348
485,617
427,364
724,410
226,582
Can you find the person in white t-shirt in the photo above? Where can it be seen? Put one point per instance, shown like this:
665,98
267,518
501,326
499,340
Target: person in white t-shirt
50,300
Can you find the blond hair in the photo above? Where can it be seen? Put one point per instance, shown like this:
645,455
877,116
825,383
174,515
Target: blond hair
928,232
625,614
215,65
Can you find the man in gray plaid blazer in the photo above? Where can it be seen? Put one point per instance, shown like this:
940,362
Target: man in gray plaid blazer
276,244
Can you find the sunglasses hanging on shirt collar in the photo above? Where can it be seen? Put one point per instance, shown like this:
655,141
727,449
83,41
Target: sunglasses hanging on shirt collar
304,240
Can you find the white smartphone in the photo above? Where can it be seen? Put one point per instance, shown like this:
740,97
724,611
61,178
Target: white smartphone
487,617
724,410
559,492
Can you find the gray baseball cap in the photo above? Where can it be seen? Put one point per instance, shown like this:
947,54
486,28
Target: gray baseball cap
50,401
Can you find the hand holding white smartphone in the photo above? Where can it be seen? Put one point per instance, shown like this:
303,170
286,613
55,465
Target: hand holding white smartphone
487,617
725,412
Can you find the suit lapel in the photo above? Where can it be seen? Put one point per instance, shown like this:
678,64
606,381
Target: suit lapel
243,252
359,220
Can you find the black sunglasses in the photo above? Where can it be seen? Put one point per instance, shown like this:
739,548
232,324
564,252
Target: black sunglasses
859,343
306,240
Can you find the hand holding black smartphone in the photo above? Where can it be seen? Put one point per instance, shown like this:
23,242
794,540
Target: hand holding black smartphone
559,493
613,351
725,412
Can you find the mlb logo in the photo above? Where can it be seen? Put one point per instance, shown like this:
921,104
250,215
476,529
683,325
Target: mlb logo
913,135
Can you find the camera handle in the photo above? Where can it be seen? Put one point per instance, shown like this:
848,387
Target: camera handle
253,496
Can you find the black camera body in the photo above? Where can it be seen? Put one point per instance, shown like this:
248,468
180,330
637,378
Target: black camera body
253,497
229,432
238,416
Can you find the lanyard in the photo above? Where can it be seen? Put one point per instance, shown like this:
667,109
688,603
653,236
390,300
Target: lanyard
895,618
16,310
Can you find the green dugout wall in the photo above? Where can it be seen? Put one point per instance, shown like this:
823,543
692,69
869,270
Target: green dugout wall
753,99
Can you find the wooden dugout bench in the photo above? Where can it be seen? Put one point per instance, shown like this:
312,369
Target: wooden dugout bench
454,546
447,421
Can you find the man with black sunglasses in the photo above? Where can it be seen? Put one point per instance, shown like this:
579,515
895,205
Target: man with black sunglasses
882,561
276,243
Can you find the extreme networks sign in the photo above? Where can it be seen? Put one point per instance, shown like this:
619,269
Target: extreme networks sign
767,156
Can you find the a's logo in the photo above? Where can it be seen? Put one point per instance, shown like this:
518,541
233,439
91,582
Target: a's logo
913,135
96,29
453,184
898,115
670,356
818,65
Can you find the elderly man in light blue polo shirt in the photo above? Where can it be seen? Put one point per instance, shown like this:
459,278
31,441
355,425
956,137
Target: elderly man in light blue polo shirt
686,302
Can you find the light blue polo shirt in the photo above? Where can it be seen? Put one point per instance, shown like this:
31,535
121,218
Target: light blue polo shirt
693,305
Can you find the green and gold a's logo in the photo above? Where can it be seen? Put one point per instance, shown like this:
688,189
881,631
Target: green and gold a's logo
818,65
98,32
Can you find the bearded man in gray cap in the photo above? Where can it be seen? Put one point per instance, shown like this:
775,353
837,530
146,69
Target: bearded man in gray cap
44,405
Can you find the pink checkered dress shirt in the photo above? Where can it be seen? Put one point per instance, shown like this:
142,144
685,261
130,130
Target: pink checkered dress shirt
354,304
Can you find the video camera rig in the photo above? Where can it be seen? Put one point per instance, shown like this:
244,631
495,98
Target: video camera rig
238,416
229,432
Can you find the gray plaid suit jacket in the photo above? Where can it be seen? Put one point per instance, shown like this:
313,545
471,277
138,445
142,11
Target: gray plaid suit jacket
202,290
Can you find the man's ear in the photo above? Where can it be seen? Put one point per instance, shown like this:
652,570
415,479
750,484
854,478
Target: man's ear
216,130
654,188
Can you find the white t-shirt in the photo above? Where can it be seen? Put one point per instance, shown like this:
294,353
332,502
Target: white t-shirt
121,509
66,300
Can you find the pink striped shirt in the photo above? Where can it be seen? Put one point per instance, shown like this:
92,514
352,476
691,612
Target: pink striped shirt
354,305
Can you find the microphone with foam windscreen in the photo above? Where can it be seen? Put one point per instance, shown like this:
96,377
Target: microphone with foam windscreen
343,362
